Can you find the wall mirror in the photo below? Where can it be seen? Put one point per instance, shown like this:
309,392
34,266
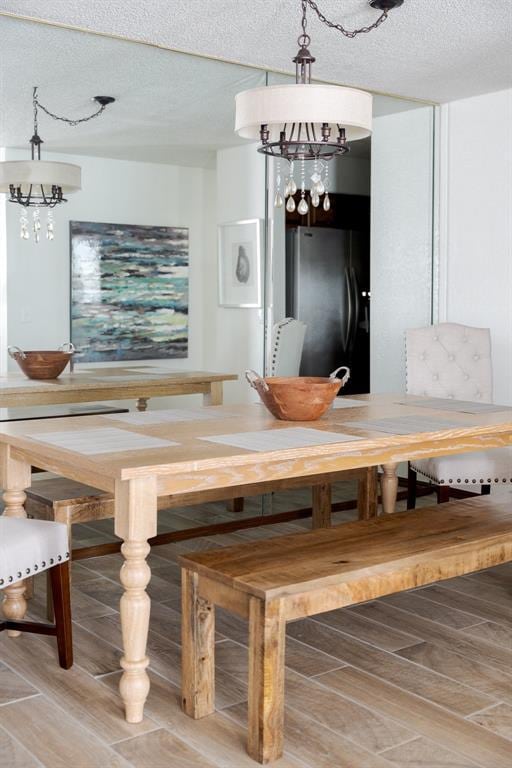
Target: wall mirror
165,155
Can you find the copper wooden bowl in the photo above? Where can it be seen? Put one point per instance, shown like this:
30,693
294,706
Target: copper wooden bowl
298,398
42,364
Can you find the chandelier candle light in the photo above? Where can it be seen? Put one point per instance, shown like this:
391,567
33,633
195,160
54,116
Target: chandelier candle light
307,121
37,183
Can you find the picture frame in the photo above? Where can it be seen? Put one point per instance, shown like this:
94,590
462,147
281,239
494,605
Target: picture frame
239,263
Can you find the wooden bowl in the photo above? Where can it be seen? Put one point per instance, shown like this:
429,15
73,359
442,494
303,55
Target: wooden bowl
297,398
41,364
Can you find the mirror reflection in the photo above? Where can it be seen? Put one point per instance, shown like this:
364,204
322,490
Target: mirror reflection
164,173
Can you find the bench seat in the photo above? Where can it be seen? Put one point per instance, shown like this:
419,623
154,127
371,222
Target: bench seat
299,575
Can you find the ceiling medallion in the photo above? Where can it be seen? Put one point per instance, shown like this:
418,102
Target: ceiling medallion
307,121
37,183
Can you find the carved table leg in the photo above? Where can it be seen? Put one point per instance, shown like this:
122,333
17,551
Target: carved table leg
389,486
142,403
321,505
198,649
214,396
15,477
135,516
266,680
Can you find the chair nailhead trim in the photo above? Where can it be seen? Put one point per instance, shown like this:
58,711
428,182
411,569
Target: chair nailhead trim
442,481
36,567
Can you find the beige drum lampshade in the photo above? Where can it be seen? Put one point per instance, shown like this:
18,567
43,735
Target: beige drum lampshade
276,105
23,173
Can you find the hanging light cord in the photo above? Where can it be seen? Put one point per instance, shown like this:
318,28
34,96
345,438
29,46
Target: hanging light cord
37,104
340,27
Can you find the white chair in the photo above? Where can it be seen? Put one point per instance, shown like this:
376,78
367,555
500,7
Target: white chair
454,361
287,344
29,547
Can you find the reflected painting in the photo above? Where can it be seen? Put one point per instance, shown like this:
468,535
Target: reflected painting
129,291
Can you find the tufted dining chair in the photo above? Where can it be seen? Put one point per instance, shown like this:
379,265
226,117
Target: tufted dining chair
454,361
29,547
287,344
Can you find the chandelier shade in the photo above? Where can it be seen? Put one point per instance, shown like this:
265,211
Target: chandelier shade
39,173
309,104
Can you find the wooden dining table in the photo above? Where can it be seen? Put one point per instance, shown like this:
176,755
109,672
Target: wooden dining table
131,382
139,458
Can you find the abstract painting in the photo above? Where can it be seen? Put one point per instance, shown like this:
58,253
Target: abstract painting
240,264
129,291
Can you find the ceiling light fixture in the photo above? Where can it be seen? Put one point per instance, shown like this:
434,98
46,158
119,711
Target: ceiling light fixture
37,183
306,121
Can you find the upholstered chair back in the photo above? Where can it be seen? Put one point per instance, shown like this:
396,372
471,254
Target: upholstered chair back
287,343
450,361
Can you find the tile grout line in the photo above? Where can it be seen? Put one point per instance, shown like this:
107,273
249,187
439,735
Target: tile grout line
410,661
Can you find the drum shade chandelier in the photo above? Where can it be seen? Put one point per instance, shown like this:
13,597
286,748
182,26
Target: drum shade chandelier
307,121
37,183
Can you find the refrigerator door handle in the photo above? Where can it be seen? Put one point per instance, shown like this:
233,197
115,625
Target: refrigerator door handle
355,289
348,320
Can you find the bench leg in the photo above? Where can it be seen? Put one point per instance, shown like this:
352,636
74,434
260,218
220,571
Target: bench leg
198,649
267,628
321,505
367,495
236,504
142,404
389,485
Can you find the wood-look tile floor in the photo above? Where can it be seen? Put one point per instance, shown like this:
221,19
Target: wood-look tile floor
417,680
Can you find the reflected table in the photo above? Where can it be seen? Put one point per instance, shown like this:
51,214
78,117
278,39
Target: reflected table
133,382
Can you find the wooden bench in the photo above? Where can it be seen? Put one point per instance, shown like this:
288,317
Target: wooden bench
292,577
66,501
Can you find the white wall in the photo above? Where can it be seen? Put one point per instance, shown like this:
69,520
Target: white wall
235,336
476,223
401,239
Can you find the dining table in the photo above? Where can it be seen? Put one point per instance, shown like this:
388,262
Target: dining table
131,382
139,457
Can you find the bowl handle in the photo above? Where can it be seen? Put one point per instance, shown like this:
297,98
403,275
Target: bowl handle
346,377
67,347
16,353
256,381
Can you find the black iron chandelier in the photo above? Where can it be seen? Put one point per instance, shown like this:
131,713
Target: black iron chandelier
308,121
37,183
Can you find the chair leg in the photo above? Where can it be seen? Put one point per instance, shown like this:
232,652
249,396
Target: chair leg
443,493
412,479
485,490
59,577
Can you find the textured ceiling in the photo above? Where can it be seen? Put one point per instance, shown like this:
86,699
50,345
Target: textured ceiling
170,107
437,50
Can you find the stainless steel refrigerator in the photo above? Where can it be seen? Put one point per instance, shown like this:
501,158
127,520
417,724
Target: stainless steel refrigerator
327,288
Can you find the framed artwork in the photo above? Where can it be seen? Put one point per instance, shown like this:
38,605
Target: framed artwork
240,263
129,291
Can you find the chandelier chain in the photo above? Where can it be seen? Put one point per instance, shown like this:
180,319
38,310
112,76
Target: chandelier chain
37,104
332,25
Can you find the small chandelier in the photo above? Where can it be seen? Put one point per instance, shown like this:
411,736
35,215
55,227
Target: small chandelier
37,183
306,121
